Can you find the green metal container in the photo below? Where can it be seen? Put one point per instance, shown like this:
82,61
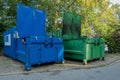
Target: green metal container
76,46
84,49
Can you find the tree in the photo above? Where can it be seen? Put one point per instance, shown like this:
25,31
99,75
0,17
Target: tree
98,16
7,16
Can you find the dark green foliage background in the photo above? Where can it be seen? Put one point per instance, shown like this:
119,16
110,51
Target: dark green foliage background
106,25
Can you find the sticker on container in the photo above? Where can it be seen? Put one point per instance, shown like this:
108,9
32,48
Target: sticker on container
7,40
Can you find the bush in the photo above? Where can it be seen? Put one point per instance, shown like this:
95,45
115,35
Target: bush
113,42
2,29
116,37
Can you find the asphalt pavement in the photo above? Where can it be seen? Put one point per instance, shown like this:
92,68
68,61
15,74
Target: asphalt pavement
107,72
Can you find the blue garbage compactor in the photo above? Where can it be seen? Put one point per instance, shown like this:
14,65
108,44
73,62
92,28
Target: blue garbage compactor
31,45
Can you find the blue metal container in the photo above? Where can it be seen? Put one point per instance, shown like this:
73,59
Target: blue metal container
39,50
31,45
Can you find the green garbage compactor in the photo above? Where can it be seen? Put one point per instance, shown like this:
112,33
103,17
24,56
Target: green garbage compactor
76,46
84,48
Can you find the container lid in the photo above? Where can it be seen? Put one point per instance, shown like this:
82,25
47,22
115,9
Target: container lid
71,26
30,21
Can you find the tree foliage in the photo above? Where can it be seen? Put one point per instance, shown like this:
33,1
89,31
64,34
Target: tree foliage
99,17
